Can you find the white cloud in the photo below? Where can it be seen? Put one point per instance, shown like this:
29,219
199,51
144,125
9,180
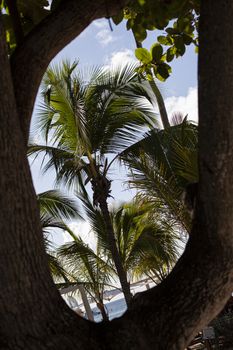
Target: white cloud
184,104
120,57
104,35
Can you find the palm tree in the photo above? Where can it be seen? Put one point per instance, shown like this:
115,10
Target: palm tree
148,246
86,124
162,166
148,243
55,209
85,266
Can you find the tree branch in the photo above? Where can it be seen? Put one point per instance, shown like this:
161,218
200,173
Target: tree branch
18,31
169,316
32,57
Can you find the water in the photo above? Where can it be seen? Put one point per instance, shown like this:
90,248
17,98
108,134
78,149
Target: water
114,309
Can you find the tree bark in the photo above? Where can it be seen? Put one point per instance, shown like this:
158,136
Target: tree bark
33,315
30,307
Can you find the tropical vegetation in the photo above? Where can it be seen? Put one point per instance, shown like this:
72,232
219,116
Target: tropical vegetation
163,166
86,123
147,248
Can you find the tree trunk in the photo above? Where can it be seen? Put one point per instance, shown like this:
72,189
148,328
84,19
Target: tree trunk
125,285
33,315
161,104
101,307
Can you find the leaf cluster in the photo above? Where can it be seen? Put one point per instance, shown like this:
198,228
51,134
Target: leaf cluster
144,15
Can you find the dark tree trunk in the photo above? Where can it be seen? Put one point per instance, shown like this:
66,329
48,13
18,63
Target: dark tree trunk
33,315
101,307
125,285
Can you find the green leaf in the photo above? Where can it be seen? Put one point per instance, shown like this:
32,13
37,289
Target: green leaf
170,54
163,70
156,52
180,46
129,24
183,23
149,77
187,39
139,33
171,31
189,29
165,40
143,55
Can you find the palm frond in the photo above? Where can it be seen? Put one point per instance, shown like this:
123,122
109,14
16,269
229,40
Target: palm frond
58,205
163,164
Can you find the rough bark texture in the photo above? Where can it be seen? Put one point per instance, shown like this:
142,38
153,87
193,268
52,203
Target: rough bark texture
31,309
33,315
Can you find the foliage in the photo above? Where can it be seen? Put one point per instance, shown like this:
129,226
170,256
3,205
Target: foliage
84,265
178,19
148,244
162,165
84,121
55,209
141,16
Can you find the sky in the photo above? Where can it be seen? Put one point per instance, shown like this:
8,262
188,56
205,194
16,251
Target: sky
98,45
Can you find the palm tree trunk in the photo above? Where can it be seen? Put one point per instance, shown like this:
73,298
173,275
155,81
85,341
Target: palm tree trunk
161,104
158,96
114,251
101,307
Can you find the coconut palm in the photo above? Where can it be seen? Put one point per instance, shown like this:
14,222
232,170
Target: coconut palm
85,266
163,165
86,124
55,210
148,244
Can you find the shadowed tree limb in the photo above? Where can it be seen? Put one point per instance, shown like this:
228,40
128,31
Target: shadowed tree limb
33,315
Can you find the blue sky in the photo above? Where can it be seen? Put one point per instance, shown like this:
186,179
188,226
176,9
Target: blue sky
98,45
